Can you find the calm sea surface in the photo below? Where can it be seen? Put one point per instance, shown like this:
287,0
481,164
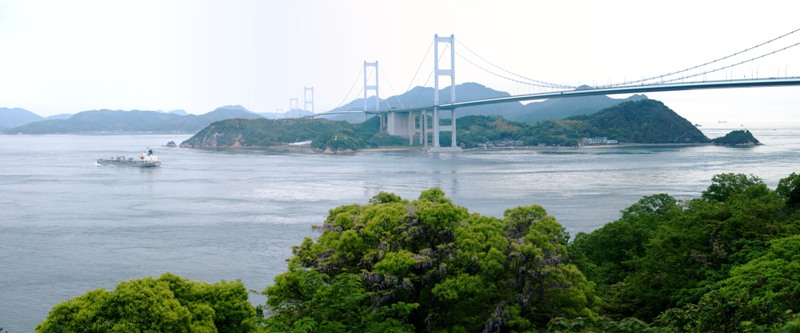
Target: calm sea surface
68,226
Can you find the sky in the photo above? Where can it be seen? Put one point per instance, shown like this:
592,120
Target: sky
70,56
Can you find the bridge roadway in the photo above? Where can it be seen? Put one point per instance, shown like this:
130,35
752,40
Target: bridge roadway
745,83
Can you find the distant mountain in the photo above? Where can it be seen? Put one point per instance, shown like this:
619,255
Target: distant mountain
180,112
221,113
293,113
560,108
118,121
16,117
60,116
232,108
423,96
177,121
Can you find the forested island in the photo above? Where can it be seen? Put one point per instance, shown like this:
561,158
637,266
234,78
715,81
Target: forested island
726,261
737,138
643,121
324,134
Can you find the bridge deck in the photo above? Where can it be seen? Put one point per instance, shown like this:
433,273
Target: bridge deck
748,83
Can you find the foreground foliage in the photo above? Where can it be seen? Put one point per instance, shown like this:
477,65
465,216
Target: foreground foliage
167,304
429,265
725,262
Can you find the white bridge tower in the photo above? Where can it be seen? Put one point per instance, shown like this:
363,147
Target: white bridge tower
373,87
451,72
308,101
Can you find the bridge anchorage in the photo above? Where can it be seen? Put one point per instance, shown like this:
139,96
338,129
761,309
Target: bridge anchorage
414,122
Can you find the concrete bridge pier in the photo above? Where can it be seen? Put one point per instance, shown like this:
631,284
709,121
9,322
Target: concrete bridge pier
402,124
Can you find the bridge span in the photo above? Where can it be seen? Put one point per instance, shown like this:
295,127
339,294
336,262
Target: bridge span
412,122
646,88
424,122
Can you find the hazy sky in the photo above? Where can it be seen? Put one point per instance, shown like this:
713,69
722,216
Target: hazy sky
70,56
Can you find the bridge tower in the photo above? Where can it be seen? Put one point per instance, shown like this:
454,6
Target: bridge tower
294,104
308,101
373,87
451,72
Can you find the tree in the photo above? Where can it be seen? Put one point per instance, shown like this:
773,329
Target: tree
429,265
726,184
665,255
731,224
167,304
789,188
761,295
608,255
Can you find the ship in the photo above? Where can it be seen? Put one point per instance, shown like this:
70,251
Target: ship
144,160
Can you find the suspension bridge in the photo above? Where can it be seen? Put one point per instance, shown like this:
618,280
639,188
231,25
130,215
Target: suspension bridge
425,123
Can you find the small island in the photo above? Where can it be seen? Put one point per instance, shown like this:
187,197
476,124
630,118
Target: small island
738,138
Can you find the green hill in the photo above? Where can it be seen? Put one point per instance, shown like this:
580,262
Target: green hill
644,121
641,121
325,135
737,138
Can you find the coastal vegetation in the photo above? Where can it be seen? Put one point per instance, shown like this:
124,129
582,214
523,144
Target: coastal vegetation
640,121
333,136
726,261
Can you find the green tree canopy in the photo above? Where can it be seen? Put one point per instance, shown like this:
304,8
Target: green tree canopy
167,304
429,265
664,255
761,295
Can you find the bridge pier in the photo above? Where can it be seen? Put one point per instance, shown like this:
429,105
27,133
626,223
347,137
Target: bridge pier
425,128
406,124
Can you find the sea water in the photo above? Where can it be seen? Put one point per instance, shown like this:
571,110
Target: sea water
68,226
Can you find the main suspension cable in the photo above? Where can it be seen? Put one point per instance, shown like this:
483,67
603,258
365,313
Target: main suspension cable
429,77
732,65
351,88
709,63
538,83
